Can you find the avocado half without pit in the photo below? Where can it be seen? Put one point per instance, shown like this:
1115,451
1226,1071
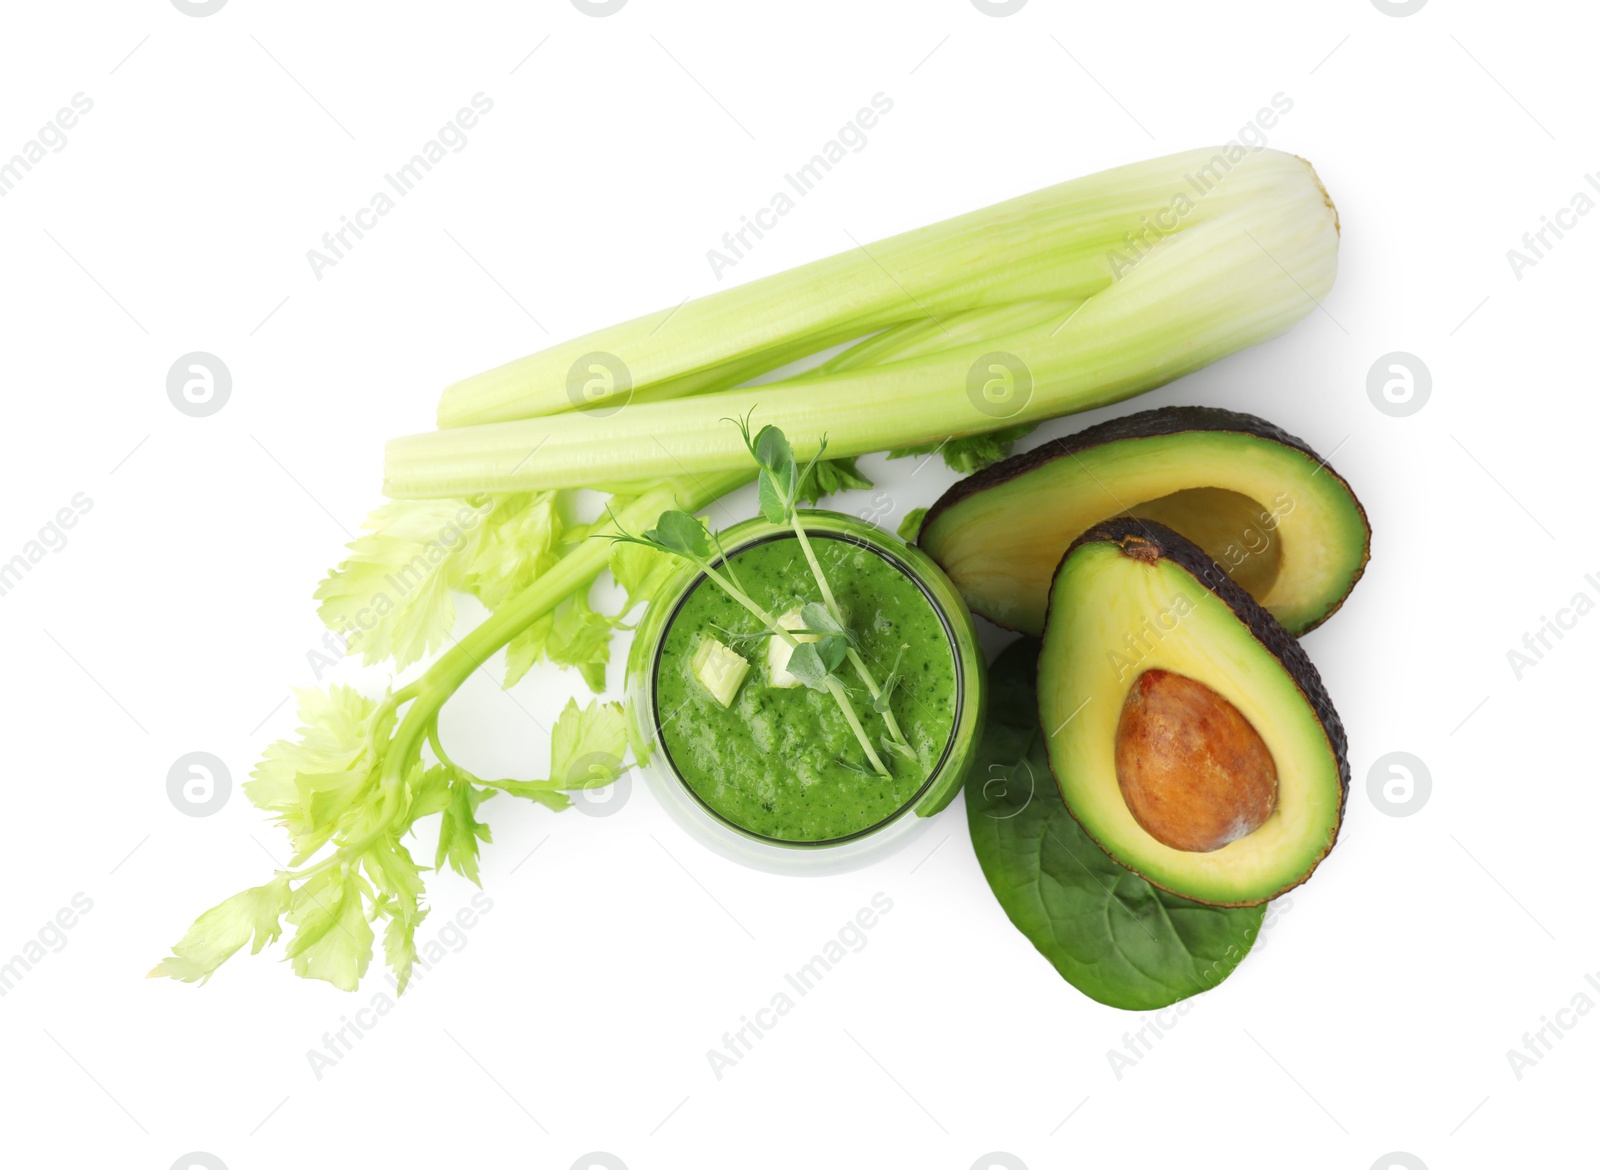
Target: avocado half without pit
1187,730
1260,502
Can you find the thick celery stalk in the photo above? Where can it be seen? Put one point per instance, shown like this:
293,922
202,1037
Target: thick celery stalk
1051,244
1213,286
922,337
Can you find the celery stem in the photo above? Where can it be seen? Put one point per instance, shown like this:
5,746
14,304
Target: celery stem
573,572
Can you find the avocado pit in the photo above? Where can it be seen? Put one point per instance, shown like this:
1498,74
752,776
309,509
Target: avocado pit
1193,771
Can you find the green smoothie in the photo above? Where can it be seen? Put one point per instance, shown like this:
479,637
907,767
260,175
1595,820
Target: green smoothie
783,763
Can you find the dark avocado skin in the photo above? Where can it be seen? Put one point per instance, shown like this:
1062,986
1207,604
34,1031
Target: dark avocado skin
1148,424
1150,541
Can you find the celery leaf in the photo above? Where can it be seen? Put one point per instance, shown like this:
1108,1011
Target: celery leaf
545,792
640,570
323,782
391,596
828,476
587,745
586,749
519,543
249,917
971,452
333,939
581,638
399,890
460,830
527,648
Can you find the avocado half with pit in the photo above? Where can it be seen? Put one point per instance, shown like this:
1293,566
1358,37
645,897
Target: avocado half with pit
1187,730
1260,502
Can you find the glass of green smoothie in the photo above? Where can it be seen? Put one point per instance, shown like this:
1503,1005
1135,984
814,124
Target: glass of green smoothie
769,772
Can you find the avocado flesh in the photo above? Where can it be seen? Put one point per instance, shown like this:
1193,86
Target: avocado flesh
1134,577
1260,502
1218,519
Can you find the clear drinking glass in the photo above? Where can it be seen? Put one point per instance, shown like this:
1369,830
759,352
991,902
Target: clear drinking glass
768,853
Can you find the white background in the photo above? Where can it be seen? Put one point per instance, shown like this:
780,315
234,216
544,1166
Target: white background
1376,1013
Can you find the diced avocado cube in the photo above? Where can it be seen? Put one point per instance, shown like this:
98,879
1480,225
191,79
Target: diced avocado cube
719,669
778,651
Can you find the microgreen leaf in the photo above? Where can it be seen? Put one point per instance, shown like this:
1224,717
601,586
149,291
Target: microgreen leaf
778,483
773,453
904,750
680,533
744,430
832,651
806,664
772,498
852,766
819,621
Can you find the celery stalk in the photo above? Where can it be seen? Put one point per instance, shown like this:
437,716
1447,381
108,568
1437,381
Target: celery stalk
1052,243
1218,284
920,338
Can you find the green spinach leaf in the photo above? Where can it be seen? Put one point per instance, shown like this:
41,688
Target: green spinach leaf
1110,933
